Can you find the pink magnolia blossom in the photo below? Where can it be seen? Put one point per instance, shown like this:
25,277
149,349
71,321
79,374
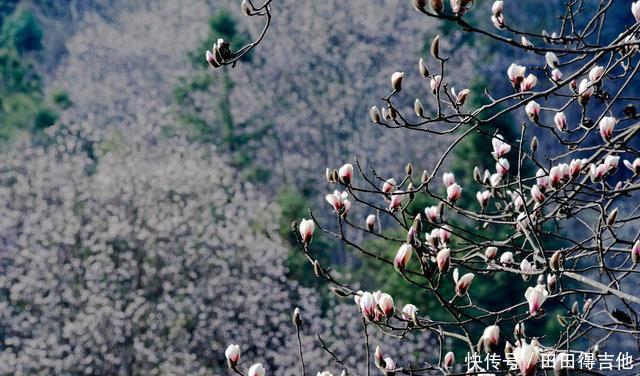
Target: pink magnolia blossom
448,179
463,283
444,234
560,120
389,185
370,222
408,311
515,73
367,305
448,361
454,191
346,173
633,166
396,80
232,353
535,297
432,213
528,83
606,126
306,228
635,10
434,84
500,148
526,356
596,73
502,166
385,302
506,258
396,200
585,90
533,110
442,259
490,338
635,252
542,179
556,75
256,370
551,59
491,252
483,198
402,256
597,172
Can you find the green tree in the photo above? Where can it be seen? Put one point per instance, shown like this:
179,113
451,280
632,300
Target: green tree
22,31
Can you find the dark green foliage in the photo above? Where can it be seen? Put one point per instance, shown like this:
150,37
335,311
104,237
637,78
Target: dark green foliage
61,98
22,31
45,117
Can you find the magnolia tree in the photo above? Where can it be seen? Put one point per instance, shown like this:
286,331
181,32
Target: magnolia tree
562,226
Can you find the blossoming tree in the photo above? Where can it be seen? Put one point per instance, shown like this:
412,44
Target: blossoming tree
566,234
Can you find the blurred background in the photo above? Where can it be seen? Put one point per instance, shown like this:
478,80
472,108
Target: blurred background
146,199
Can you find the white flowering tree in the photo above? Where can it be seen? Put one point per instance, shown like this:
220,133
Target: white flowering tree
555,221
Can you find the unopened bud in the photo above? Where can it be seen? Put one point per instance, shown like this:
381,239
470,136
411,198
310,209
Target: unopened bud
396,80
374,114
574,308
417,223
435,47
408,169
425,177
436,5
534,144
477,176
392,112
339,292
244,6
317,269
611,219
424,71
556,261
297,320
327,175
417,107
587,305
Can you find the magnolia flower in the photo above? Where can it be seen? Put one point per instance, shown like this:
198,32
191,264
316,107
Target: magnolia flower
385,302
402,256
444,234
448,179
556,175
606,126
533,111
490,338
596,173
449,359
378,357
396,200
502,166
575,167
346,173
515,73
483,198
389,364
453,192
525,266
232,353
556,75
367,305
432,237
442,259
537,194
408,311
306,229
585,91
633,166
635,252
435,83
596,73
389,185
506,258
518,202
256,370
495,179
460,97
612,161
500,148
370,222
526,42
535,297
541,179
552,282
462,283
491,252
635,10
529,83
560,121
526,357
552,60
432,213
396,80
417,107
339,201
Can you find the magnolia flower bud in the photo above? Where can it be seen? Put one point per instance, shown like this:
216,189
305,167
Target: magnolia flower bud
585,91
611,219
528,83
211,59
535,297
374,114
306,228
461,97
534,144
422,67
424,179
560,121
491,338
526,42
502,166
396,201
515,73
533,111
633,166
448,361
379,358
296,319
483,198
574,308
436,5
396,80
552,282
389,185
391,112
491,252
402,257
244,7
317,269
596,73
541,279
556,75
370,222
385,302
497,7
454,191
409,311
256,370
500,148
555,261
367,305
463,283
417,107
518,330
635,252
442,259
506,259
606,126
552,60
431,213
408,169
232,353
448,179
587,306
435,47
537,194
444,234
